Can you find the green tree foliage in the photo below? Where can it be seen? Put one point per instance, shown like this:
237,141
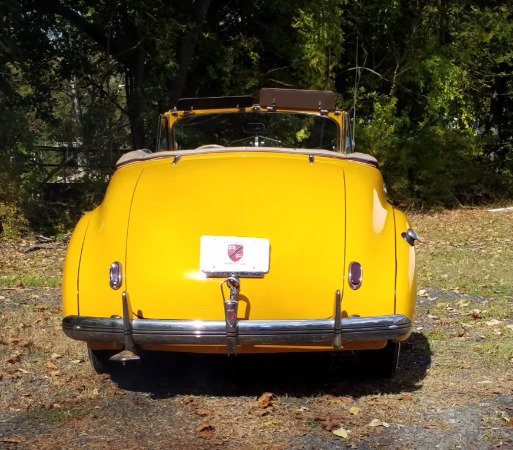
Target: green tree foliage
434,86
432,80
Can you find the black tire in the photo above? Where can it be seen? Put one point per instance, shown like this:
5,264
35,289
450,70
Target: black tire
100,360
381,363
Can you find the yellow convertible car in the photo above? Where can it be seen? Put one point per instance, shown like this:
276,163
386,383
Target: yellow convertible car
254,228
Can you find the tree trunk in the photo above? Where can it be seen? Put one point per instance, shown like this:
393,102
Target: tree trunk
134,90
186,51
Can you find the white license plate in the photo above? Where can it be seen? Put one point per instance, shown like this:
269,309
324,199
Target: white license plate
234,255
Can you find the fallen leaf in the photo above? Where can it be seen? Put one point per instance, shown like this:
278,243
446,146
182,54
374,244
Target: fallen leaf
374,400
187,400
10,375
270,423
507,418
14,440
206,434
19,341
475,314
493,322
341,432
354,410
265,400
329,424
205,430
336,399
203,412
377,423
407,397
204,426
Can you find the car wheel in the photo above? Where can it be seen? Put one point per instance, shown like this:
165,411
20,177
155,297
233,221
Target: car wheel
100,360
382,362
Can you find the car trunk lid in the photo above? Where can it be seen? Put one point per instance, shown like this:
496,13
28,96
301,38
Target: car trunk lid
294,201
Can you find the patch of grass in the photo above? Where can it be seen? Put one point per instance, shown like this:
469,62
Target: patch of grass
464,278
470,250
30,281
497,352
56,413
436,335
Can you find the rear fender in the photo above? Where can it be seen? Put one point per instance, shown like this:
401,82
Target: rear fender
370,242
406,276
70,300
105,243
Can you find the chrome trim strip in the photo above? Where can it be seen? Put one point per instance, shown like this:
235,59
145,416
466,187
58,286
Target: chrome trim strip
139,155
250,332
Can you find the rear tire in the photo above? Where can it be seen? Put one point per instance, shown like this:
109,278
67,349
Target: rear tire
383,362
100,360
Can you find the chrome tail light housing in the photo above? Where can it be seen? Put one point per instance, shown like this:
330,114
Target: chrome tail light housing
355,275
115,275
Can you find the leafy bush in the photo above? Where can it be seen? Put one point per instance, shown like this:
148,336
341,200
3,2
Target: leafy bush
429,166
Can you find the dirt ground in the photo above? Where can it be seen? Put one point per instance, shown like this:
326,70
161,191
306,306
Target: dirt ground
453,390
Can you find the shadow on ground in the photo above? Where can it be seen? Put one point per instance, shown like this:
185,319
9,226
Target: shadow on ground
164,374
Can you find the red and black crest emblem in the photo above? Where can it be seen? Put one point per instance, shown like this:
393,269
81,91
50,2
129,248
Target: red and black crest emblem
235,252
230,309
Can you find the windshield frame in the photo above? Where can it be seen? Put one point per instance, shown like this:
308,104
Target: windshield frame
272,101
254,129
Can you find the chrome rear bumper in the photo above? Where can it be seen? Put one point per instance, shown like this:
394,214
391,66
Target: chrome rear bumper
247,332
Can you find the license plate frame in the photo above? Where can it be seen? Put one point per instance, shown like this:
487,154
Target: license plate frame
234,255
